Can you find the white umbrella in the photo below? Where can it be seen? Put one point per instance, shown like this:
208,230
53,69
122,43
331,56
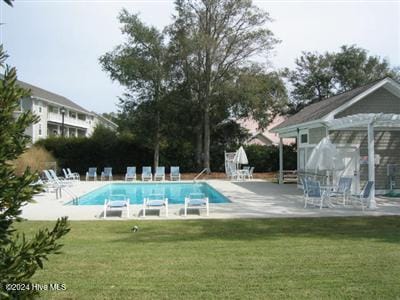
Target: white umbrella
325,157
240,157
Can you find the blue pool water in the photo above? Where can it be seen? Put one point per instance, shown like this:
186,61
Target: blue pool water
175,192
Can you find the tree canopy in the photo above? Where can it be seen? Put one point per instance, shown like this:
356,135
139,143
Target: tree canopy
318,76
195,74
141,66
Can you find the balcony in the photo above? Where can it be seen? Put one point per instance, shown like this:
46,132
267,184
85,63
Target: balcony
57,118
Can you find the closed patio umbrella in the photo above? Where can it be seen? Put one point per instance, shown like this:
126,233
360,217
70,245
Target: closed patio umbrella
240,157
325,157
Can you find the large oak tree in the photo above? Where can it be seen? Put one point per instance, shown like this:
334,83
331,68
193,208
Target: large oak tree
216,39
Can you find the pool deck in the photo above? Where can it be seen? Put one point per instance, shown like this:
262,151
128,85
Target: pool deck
250,199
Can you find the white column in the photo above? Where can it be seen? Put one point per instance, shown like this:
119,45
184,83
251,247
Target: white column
298,157
371,162
280,160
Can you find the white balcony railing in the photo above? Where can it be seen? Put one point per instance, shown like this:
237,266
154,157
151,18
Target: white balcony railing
57,118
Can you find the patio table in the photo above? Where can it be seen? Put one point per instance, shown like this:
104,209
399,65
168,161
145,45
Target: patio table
327,191
242,174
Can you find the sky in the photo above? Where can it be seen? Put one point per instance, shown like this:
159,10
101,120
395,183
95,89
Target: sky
55,44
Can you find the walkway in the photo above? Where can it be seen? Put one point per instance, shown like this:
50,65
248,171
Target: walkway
255,199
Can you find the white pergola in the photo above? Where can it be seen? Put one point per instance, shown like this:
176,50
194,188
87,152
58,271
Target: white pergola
368,121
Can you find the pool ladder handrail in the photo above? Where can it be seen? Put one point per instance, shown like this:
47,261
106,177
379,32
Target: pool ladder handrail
71,193
198,175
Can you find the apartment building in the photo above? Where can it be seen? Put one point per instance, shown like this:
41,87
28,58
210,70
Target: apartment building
59,115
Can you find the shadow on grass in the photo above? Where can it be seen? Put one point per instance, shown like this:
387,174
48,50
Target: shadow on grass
381,229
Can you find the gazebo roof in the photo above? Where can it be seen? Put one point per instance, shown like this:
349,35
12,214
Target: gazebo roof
363,120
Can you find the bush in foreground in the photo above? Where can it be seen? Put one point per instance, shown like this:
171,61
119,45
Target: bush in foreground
19,257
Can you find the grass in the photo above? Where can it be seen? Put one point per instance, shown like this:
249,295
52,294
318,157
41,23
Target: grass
355,258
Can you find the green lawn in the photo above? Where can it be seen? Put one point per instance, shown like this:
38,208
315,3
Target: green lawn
236,259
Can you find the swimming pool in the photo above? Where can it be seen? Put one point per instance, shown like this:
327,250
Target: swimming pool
175,192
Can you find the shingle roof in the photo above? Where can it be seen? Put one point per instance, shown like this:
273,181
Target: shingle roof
41,93
320,109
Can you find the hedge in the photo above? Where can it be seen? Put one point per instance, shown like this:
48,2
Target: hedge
119,152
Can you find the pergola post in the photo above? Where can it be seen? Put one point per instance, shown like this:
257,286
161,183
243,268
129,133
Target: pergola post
371,162
280,160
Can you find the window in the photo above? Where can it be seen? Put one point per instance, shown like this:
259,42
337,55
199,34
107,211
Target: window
304,138
72,114
39,104
40,129
53,109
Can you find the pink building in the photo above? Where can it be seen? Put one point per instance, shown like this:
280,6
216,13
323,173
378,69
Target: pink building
263,137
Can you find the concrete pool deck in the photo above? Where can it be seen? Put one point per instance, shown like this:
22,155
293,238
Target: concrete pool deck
250,199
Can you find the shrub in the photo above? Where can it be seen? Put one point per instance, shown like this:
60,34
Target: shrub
119,152
81,153
266,158
20,257
36,158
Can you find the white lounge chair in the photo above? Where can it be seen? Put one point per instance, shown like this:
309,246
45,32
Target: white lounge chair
155,201
159,174
197,200
75,174
119,201
175,174
51,184
106,174
60,180
91,173
68,176
130,173
146,174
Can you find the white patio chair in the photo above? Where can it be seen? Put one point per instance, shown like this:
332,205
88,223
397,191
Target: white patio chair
314,195
233,174
251,173
159,175
197,200
247,172
146,174
342,191
364,196
91,173
130,173
175,174
106,174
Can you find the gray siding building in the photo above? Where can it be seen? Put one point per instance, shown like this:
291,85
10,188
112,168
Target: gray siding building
363,123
